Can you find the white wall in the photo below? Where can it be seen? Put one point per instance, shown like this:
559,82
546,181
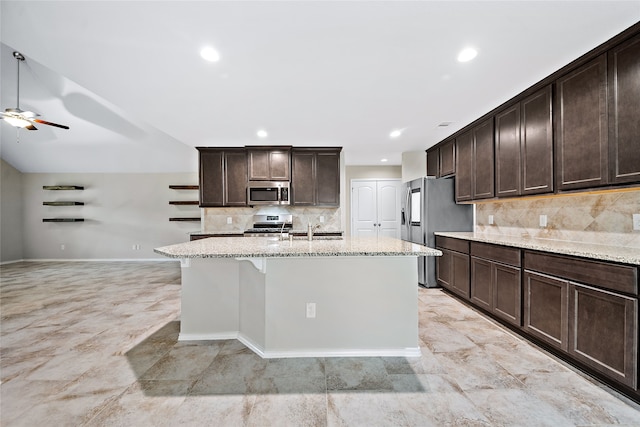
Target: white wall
11,247
414,165
121,210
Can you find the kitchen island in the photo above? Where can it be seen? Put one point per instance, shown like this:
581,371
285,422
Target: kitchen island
300,298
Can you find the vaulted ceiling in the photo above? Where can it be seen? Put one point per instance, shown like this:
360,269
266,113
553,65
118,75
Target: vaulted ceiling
128,79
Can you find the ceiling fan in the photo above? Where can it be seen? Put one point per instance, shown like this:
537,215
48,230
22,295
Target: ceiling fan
23,119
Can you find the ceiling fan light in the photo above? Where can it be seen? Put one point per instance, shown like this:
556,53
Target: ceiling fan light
17,122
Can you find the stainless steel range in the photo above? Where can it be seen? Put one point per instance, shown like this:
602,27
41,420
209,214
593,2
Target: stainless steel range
269,225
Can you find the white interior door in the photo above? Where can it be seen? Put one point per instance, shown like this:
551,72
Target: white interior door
389,208
364,202
375,207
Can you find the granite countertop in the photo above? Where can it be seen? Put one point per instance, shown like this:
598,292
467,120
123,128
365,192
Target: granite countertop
238,232
259,247
602,252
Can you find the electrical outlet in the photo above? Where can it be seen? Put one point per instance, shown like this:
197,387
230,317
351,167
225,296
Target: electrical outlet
543,220
229,220
636,221
490,219
311,310
321,218
135,247
62,247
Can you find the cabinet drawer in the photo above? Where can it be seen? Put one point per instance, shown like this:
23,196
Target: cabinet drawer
503,254
457,245
615,277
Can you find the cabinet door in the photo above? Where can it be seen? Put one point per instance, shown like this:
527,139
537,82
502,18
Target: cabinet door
447,159
464,167
235,183
444,266
279,165
258,165
303,178
211,178
327,179
581,134
507,148
536,130
546,308
624,111
481,283
603,332
460,274
483,160
507,292
433,159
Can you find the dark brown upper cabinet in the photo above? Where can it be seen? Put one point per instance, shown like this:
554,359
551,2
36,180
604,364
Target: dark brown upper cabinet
441,160
624,112
269,164
581,127
223,177
315,176
447,159
464,167
524,146
474,163
483,159
433,162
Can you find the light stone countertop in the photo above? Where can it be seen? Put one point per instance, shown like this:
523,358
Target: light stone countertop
318,232
260,247
601,252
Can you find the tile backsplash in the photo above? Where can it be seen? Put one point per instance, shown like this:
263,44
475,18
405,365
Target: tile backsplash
602,218
215,219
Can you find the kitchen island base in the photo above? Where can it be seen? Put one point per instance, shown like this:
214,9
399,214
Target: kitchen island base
363,305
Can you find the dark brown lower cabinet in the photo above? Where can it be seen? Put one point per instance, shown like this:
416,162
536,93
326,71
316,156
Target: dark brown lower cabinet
546,308
495,281
453,272
603,332
452,268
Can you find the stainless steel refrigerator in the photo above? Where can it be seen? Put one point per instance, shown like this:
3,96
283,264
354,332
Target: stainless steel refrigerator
428,205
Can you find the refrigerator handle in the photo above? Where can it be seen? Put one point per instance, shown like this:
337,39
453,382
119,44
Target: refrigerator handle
408,205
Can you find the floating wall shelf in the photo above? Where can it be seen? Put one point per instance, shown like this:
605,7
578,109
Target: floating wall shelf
63,203
63,220
184,187
62,187
184,202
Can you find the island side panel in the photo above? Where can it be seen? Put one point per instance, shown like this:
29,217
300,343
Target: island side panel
209,299
364,306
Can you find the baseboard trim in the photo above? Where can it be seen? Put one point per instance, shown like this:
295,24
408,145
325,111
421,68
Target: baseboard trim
208,337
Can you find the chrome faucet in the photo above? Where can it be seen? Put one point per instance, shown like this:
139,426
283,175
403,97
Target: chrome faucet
310,230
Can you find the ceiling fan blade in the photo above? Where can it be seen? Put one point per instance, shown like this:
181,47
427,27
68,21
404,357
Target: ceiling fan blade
44,122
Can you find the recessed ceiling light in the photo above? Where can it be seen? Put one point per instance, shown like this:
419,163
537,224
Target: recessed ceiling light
210,54
262,133
384,160
396,133
467,54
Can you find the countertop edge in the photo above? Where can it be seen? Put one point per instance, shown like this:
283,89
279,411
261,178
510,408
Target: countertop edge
560,247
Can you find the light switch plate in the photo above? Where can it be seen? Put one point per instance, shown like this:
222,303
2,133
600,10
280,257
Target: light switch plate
636,221
490,219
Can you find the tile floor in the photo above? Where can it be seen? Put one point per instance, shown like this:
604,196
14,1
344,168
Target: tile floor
95,344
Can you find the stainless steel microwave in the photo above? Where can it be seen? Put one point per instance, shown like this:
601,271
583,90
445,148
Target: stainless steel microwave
268,193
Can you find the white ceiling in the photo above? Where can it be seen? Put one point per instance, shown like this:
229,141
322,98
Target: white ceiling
128,79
